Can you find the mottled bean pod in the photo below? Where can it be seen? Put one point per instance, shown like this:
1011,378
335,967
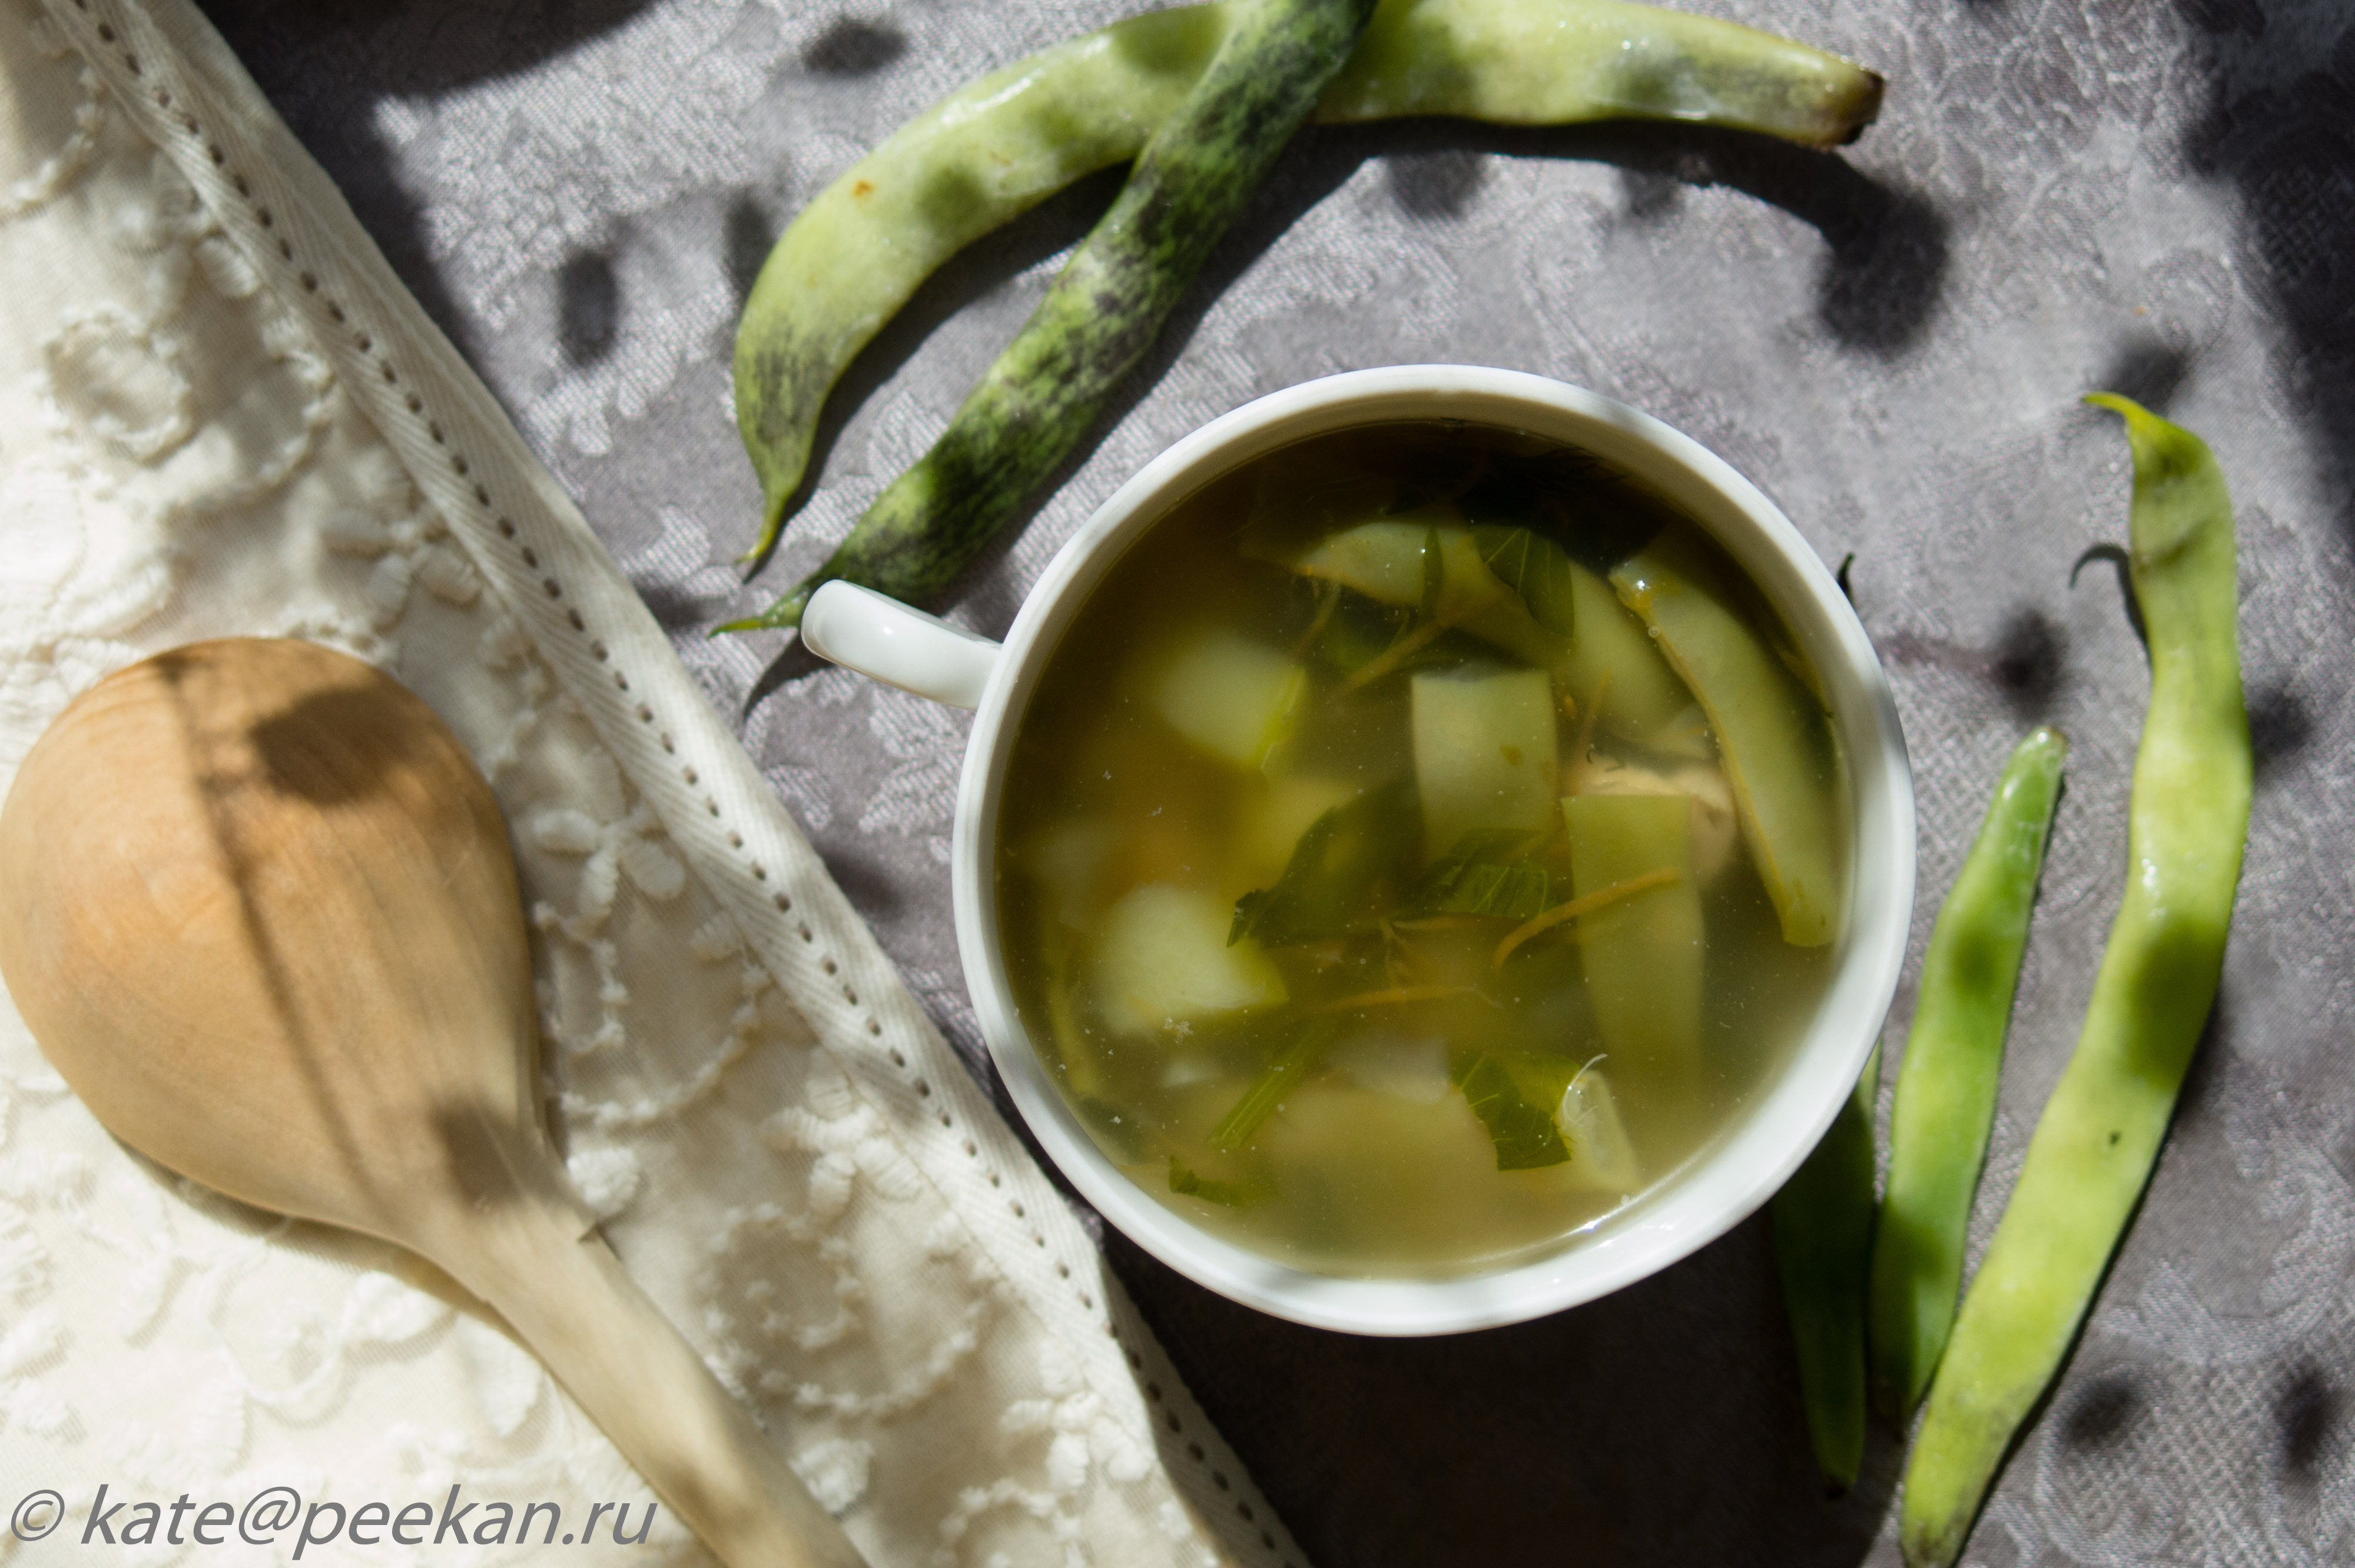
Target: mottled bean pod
1946,1082
1204,162
2099,1136
994,149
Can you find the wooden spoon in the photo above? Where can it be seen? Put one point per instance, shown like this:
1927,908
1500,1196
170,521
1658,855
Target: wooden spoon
262,915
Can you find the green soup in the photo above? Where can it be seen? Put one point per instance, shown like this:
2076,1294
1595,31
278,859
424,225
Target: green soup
1420,845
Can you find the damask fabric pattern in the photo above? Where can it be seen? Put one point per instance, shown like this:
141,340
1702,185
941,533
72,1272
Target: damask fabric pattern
2060,195
1889,339
224,417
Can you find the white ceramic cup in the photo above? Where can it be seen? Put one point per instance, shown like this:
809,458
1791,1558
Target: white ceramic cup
1782,1117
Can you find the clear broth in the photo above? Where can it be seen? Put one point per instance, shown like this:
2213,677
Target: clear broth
1360,1085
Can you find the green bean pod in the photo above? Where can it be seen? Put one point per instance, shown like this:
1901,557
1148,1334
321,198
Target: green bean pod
1946,1083
1103,310
2099,1136
981,157
1560,62
1823,1233
997,147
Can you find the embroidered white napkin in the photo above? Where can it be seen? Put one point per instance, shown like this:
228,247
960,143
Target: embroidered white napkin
219,414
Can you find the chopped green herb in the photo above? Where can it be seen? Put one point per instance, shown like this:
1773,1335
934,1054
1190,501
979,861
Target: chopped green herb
1228,1194
1489,872
1283,1073
1524,1134
1515,892
1535,567
1334,884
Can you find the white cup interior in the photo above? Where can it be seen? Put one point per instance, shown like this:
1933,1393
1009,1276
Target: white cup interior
1779,1122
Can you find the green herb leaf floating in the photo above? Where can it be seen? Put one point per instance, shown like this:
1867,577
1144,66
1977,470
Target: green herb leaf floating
1524,1132
2187,825
1533,567
1823,1230
1200,168
1946,1083
1339,878
1292,1062
1487,873
994,149
1184,1180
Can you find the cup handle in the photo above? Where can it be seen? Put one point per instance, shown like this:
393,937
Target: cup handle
880,638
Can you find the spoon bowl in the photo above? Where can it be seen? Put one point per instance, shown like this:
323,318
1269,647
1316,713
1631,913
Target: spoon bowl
263,918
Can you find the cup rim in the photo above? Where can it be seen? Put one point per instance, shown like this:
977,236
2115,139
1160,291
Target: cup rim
1737,1171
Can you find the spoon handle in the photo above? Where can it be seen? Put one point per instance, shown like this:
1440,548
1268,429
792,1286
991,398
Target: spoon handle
565,1293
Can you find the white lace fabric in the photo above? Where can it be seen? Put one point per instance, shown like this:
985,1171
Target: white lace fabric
220,415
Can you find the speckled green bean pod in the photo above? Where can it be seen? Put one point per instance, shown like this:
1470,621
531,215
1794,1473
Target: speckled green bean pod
1946,1083
1203,162
2093,1147
998,146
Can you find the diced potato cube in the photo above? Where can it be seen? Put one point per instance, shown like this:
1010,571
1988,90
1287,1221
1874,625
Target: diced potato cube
1229,696
1412,1067
1398,1175
1484,753
1162,959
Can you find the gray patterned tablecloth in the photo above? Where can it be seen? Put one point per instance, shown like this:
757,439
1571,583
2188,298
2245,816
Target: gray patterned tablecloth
2154,198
